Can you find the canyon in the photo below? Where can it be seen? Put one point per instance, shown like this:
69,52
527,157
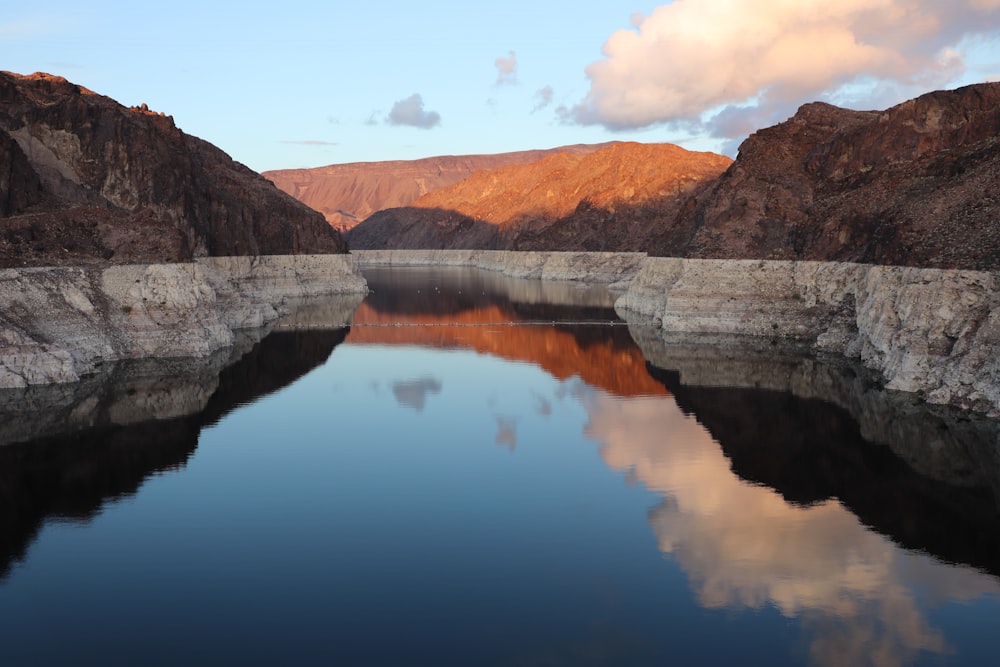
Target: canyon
867,235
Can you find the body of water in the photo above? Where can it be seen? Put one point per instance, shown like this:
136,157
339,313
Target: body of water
483,471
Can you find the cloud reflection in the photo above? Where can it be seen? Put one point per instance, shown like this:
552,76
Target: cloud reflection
744,546
413,393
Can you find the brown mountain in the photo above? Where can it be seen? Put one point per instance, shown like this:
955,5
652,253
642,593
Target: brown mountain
346,194
83,178
616,198
917,184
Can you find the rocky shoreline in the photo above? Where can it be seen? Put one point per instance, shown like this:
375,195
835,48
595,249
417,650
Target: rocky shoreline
58,324
934,332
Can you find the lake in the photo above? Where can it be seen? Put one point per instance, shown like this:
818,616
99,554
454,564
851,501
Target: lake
483,471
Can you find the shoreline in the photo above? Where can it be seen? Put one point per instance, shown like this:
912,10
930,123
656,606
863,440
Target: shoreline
58,324
932,332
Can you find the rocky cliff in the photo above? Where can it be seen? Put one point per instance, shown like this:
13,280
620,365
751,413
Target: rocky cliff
58,324
915,185
624,197
347,194
934,332
84,179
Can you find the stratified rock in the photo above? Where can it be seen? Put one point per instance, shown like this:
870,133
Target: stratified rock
58,324
626,197
915,185
84,179
349,193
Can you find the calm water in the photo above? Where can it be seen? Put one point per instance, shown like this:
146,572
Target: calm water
486,472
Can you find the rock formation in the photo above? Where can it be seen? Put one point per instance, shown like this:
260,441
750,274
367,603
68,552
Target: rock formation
915,185
620,198
347,194
84,179
931,331
58,324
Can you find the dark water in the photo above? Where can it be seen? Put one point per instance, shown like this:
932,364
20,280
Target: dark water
486,472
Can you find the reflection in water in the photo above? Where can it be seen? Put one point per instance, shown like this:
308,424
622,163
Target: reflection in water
456,519
128,426
413,393
778,533
477,310
744,546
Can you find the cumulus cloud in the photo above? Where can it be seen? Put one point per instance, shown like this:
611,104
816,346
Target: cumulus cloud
506,69
543,98
733,67
410,111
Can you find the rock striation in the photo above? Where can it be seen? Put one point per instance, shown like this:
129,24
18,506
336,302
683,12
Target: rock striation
84,179
606,268
931,331
624,197
60,323
347,194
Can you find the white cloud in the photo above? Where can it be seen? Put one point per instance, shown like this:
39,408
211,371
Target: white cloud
506,69
735,66
410,111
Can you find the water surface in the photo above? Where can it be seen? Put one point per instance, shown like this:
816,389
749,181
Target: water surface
491,472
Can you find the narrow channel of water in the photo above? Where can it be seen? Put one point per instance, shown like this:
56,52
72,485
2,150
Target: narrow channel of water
483,471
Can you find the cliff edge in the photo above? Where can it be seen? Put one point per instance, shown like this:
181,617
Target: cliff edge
84,180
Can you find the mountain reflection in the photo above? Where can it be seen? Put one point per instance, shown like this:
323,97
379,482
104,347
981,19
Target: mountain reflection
115,434
480,312
743,545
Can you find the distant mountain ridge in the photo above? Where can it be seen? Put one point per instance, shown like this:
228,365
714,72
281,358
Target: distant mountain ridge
610,199
346,194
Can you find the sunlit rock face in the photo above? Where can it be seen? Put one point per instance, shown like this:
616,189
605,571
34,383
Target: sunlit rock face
84,179
347,194
744,546
624,197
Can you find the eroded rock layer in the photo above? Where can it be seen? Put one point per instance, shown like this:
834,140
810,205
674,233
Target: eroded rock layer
60,323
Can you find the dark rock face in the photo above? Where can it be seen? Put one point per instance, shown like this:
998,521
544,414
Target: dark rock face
915,185
625,197
83,178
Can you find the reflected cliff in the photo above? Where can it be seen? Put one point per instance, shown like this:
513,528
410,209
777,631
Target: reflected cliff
744,543
564,328
66,450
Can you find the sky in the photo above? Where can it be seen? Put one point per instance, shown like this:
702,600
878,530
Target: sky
307,83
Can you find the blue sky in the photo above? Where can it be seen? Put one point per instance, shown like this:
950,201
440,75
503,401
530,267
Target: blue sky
304,84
